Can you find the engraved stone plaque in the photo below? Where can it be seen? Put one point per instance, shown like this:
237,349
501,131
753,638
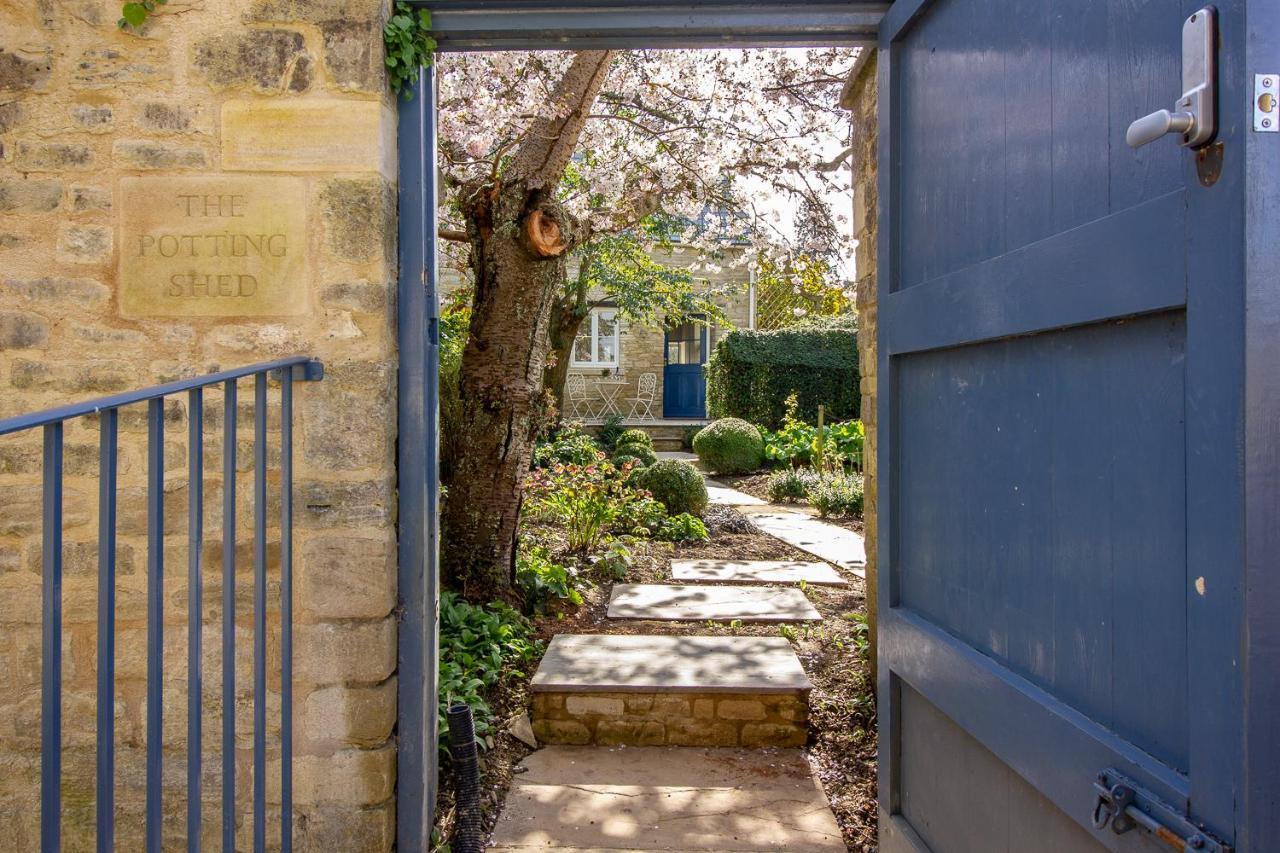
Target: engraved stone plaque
213,246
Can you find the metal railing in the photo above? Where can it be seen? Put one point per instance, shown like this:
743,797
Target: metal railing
52,421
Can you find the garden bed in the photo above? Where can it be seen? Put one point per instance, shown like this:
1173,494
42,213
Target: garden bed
842,740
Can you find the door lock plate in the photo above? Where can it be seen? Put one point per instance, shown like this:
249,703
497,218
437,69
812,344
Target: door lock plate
1266,103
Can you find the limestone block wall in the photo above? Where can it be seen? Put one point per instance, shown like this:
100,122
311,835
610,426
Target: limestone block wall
860,97
672,719
216,190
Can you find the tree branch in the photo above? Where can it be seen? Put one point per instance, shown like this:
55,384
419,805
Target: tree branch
453,234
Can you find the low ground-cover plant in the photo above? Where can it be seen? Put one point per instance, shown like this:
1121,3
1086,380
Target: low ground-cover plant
682,528
676,484
790,484
570,445
730,446
610,433
837,495
545,582
478,645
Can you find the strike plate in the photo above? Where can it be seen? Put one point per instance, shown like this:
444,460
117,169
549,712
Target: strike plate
1266,103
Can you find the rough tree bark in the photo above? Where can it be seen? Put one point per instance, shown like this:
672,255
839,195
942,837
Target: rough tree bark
520,238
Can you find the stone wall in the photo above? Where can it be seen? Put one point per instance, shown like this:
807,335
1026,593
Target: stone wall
213,191
860,97
672,719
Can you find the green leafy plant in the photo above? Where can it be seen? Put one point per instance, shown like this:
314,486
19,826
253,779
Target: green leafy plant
837,495
676,484
790,484
730,446
409,46
682,528
585,501
478,645
611,433
136,14
569,446
543,580
615,561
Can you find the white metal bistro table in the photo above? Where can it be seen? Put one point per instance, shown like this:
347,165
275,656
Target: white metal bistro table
609,387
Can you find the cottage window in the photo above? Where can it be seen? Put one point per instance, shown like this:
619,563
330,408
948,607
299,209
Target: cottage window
597,341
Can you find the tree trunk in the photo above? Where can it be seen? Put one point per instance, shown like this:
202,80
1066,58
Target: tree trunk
519,238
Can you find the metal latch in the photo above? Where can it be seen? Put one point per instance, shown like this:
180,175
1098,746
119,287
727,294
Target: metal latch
1195,114
1126,807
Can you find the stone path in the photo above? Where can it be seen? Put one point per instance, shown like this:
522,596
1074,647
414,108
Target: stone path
697,603
669,664
631,719
591,798
755,571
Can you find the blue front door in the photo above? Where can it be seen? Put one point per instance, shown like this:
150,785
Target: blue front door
684,384
1068,608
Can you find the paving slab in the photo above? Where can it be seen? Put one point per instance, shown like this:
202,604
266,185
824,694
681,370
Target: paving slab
829,542
698,603
666,798
719,493
621,663
755,571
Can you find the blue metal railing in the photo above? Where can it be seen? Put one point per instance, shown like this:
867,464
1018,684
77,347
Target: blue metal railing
51,421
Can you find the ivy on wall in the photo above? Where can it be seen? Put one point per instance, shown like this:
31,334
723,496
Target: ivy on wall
407,36
136,14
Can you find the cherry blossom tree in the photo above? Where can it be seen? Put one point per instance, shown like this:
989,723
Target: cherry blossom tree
592,154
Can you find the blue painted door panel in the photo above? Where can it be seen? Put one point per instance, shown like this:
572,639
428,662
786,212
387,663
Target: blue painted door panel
1061,366
684,383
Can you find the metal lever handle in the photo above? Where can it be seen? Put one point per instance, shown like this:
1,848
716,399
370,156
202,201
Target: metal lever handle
1149,128
1194,115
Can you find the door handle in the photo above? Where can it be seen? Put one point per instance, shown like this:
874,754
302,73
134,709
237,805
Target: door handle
1195,114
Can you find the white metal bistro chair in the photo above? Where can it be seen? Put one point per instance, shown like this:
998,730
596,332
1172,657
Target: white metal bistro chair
580,404
646,396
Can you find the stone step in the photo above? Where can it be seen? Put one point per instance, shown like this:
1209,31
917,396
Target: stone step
700,603
755,571
726,800
638,690
830,542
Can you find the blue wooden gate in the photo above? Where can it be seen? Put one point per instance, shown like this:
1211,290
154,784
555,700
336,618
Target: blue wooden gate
1073,406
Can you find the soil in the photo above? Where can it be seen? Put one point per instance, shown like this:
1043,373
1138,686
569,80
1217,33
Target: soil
842,740
757,485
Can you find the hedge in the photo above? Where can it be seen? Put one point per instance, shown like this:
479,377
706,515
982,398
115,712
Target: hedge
751,374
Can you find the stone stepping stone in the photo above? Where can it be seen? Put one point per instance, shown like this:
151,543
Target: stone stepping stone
665,798
698,603
755,571
829,542
720,494
621,663
638,690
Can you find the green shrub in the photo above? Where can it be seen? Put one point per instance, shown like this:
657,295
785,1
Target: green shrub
636,436
687,435
644,454
570,446
790,484
676,484
837,495
622,460
478,646
611,432
541,579
455,325
730,446
682,528
752,372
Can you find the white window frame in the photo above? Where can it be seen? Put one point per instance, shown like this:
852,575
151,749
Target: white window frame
594,321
